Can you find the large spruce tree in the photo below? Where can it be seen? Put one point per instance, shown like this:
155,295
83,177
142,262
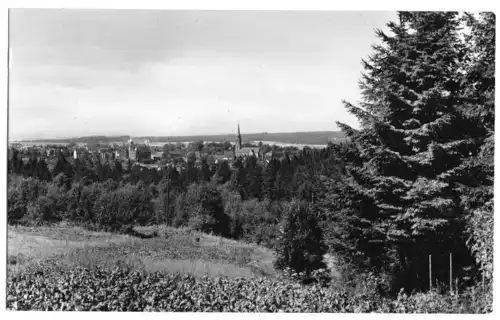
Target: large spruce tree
413,137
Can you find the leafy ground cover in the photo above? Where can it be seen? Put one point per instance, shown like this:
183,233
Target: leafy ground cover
123,289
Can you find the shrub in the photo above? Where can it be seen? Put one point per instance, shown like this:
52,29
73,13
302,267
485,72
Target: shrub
123,206
480,229
60,199
206,212
62,180
87,199
251,220
232,204
23,193
300,245
181,216
16,207
40,210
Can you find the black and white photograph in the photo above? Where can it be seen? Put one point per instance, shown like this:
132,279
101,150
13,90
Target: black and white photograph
250,161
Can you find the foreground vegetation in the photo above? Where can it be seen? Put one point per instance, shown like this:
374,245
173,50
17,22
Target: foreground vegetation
122,289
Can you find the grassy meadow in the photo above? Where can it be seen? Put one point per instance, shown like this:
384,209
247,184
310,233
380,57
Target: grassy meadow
173,250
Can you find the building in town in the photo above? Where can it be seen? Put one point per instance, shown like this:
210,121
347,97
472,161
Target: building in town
156,155
79,153
239,151
139,152
107,154
121,154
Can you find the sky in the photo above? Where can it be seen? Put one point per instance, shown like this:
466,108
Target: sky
168,73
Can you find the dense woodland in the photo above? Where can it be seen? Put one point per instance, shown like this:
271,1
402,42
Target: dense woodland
416,179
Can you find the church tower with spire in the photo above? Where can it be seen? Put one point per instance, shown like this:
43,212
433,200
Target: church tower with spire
237,146
239,136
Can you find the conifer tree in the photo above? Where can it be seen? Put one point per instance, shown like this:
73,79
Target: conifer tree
413,135
98,171
29,169
117,170
174,178
16,163
62,166
239,178
79,170
254,178
204,172
128,166
284,177
223,172
479,104
42,171
190,175
107,172
268,187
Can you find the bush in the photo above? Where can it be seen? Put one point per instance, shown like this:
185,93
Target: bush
206,212
86,201
23,193
16,207
300,245
232,204
60,199
62,180
124,206
40,211
181,216
480,230
473,300
251,220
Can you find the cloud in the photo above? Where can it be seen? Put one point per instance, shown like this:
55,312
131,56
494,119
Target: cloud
79,72
203,91
75,76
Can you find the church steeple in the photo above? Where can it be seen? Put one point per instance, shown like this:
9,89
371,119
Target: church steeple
239,136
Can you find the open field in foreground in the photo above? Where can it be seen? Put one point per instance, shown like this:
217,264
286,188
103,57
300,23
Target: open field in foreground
174,251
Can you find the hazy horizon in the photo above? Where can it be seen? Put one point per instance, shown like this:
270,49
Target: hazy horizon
162,136
80,73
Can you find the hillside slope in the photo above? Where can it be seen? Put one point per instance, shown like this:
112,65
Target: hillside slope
174,251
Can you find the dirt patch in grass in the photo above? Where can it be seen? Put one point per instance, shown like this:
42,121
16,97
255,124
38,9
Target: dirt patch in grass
211,247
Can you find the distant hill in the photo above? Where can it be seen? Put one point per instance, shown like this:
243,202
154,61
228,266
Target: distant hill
87,139
313,138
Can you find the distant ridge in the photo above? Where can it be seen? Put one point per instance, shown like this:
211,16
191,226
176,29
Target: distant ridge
312,137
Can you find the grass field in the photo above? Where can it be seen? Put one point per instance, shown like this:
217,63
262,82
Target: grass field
173,251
